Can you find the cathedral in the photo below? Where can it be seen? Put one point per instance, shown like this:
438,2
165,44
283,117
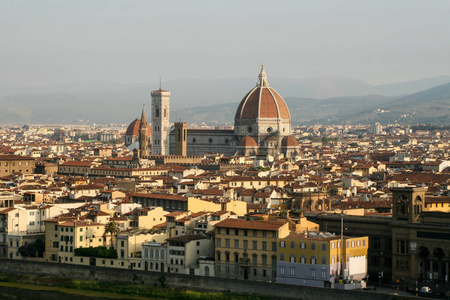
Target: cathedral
262,125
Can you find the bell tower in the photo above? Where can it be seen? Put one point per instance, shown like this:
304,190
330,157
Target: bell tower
143,136
408,203
160,121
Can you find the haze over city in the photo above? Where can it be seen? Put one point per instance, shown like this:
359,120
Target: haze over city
53,42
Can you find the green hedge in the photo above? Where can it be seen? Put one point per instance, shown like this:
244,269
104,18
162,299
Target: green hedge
96,252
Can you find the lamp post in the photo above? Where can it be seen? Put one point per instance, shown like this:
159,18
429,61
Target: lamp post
342,244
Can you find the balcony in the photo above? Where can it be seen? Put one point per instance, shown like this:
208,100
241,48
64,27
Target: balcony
244,262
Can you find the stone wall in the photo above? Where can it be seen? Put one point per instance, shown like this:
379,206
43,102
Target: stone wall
183,281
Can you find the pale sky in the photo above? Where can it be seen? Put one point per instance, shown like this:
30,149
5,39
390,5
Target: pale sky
45,42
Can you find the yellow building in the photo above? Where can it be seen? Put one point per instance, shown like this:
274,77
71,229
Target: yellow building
10,164
236,206
314,258
62,237
248,249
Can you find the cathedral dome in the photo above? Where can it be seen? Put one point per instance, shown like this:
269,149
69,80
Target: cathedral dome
262,102
247,141
289,141
133,128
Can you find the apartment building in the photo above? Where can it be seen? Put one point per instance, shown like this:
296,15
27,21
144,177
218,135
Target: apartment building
248,249
314,258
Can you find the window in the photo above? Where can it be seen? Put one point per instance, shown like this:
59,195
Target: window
227,243
218,256
264,233
358,243
264,259
302,246
324,274
219,243
292,271
324,247
324,260
227,256
255,259
281,256
332,245
236,232
292,260
228,231
245,244
313,273
236,257
332,259
281,270
353,244
374,260
218,230
236,244
302,259
292,245
375,243
264,246
255,245
313,260
402,247
122,243
274,246
313,246
282,244
255,232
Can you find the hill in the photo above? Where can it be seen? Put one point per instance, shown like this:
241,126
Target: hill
324,100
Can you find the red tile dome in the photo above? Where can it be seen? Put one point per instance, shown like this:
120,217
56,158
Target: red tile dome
289,141
262,102
247,141
133,128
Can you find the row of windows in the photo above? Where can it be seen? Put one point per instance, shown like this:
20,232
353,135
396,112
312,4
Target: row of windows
18,163
238,271
235,258
6,171
244,244
154,253
66,248
302,259
324,246
245,232
312,273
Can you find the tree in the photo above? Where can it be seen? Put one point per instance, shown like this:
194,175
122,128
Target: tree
35,249
113,229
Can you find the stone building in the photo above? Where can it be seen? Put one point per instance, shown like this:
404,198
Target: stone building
10,164
262,126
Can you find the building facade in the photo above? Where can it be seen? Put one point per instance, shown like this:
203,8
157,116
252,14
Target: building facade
160,121
248,249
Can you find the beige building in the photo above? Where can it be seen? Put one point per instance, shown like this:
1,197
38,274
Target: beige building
10,164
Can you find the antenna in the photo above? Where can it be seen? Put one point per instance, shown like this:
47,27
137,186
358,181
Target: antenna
159,82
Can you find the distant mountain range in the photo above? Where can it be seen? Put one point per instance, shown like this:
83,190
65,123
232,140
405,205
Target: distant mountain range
323,101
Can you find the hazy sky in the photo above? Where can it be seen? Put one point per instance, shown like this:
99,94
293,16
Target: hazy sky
51,42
